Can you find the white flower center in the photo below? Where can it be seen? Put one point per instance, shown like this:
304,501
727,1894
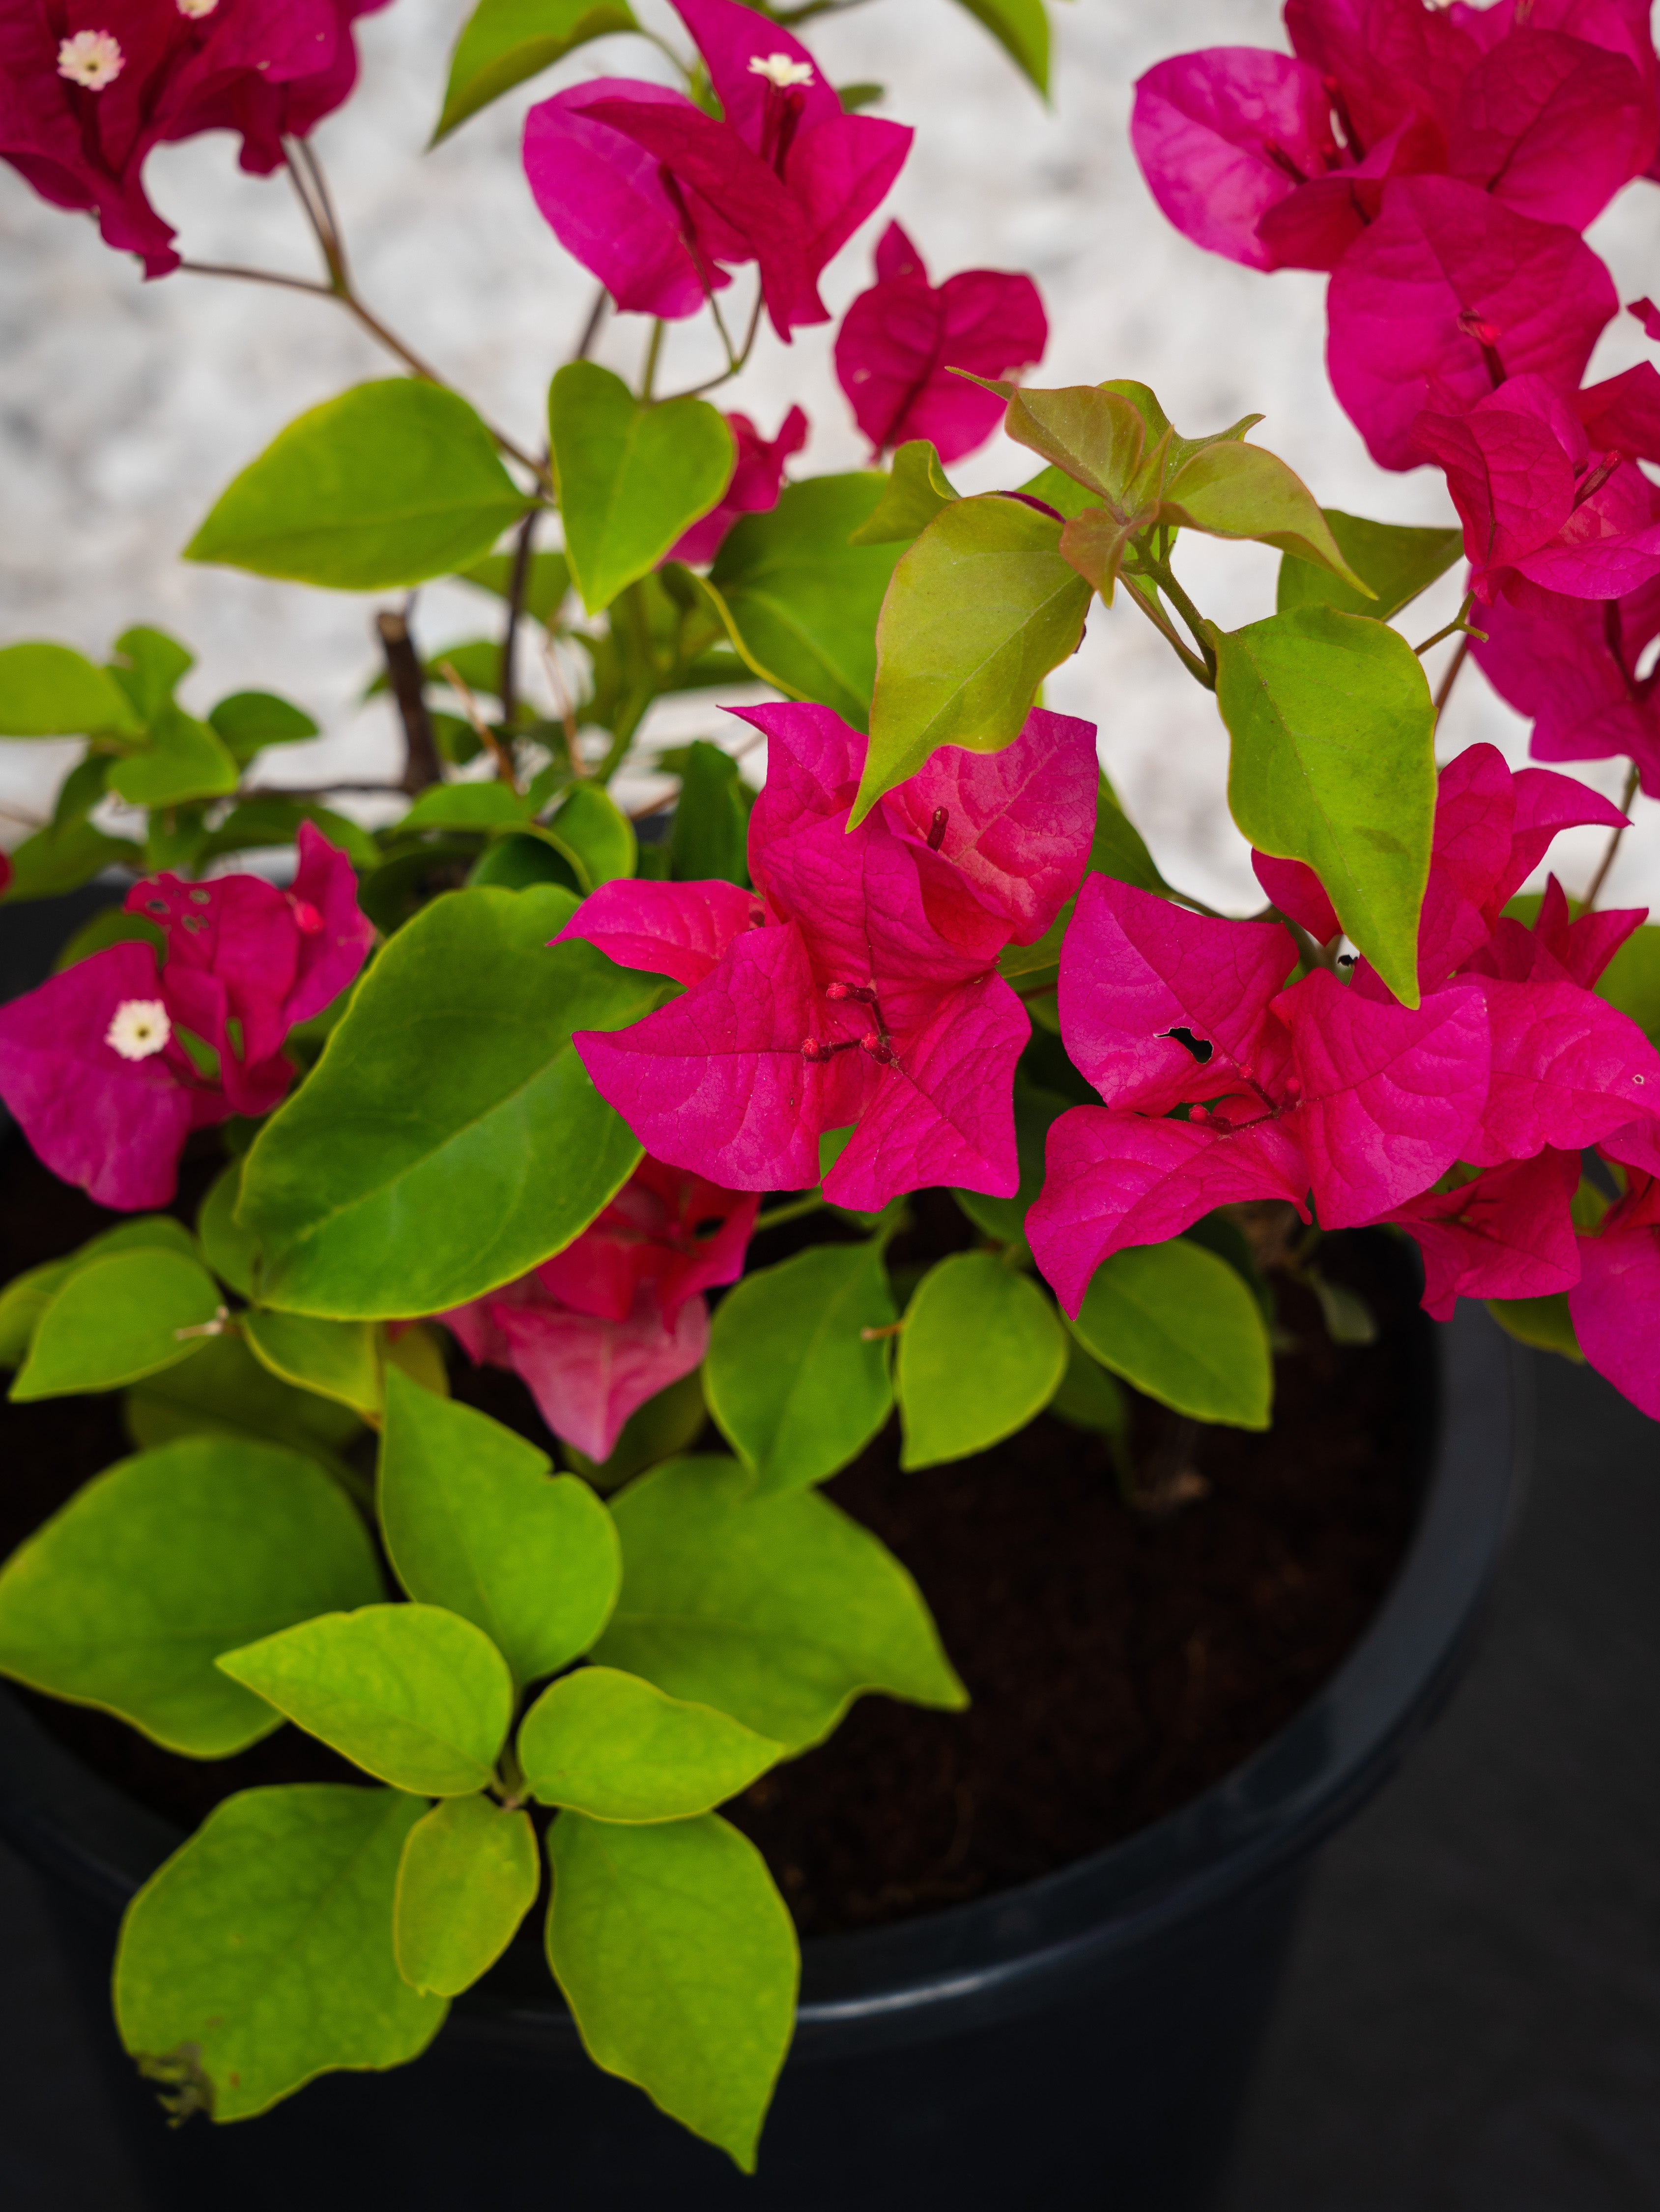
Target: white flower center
197,7
91,58
779,70
140,1029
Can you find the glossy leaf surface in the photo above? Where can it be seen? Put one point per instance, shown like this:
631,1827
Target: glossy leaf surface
449,1140
260,1954
125,1598
337,1359
117,1320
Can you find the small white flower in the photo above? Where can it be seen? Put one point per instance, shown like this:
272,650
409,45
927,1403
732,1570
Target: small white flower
140,1029
195,8
779,70
91,58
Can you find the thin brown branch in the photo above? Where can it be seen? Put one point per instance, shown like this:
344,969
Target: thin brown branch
516,581
408,681
260,277
590,329
1444,690
1601,875
489,738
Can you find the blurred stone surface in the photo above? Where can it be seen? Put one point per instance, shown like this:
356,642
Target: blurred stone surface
125,407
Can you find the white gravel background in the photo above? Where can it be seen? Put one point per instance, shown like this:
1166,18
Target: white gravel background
125,406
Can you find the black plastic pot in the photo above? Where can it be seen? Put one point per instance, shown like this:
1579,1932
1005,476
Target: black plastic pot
1081,2042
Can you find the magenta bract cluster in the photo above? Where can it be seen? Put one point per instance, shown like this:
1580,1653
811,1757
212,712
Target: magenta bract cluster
619,1314
87,91
95,1065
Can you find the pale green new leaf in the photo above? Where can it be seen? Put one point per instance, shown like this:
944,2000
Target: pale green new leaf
614,1746
917,489
388,483
449,1140
794,1385
52,691
125,1598
982,1353
1233,490
1333,762
678,1959
633,475
260,1954
337,1359
118,1319
415,1695
780,1611
982,607
472,1522
505,41
1180,1325
468,1876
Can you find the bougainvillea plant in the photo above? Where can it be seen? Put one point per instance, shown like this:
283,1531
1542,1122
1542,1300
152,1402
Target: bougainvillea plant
524,1081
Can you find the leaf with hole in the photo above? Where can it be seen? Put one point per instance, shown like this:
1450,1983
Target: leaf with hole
678,1959
472,1522
468,1876
780,1611
982,1354
126,1597
612,1746
415,1695
1333,762
449,1140
260,1954
388,483
794,1384
1177,1323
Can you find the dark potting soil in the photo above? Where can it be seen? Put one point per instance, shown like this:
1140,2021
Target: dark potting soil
1118,1661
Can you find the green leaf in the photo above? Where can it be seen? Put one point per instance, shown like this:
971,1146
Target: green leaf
465,806
61,857
800,600
224,1391
182,760
228,1248
1096,434
117,1320
1396,560
795,1387
472,1523
611,1746
1233,490
416,1695
260,1954
592,832
26,1297
248,720
1334,762
388,483
468,1876
515,862
1021,28
981,1355
917,489
53,691
1088,1398
678,1959
113,927
546,584
710,833
981,608
1180,450
1631,980
125,1598
272,821
632,476
337,1359
156,665
1178,1323
780,1611
1544,1323
505,41
448,1139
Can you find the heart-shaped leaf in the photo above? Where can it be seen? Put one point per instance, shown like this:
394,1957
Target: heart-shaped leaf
982,1353
611,1746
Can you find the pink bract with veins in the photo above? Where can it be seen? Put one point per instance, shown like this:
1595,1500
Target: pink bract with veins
658,199
857,986
619,1314
87,92
899,341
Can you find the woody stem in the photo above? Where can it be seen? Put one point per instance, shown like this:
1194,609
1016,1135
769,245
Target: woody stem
1444,690
1626,797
